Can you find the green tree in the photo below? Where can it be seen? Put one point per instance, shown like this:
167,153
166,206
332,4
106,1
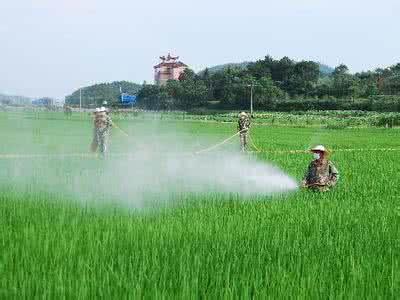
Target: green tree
305,77
345,84
262,68
155,98
95,95
194,93
341,70
190,91
284,70
226,86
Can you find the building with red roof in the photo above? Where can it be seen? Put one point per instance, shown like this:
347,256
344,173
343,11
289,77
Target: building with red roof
170,68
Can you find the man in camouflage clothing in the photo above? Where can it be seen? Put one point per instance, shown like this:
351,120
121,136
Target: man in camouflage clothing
321,174
67,110
102,125
243,128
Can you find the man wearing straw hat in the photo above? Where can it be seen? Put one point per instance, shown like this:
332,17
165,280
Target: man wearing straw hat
321,174
243,128
102,125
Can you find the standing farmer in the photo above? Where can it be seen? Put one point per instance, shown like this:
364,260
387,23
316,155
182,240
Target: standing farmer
67,110
321,174
243,128
102,125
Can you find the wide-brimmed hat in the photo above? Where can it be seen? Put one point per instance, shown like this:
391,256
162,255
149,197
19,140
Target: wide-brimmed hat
100,109
242,114
319,148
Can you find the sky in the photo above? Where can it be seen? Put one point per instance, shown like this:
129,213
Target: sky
53,47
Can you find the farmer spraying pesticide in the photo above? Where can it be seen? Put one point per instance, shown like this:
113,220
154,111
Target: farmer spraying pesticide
321,174
243,128
102,125
67,110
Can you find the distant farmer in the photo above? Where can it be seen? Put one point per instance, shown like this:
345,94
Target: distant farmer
67,110
106,106
243,128
102,125
321,174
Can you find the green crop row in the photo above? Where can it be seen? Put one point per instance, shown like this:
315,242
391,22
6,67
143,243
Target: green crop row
62,237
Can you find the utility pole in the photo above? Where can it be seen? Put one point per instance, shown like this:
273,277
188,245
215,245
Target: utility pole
80,99
251,97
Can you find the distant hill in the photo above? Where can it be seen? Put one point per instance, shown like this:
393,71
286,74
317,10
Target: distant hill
94,95
218,68
14,100
324,69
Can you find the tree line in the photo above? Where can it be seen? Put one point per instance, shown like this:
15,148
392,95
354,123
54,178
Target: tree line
14,100
282,84
93,96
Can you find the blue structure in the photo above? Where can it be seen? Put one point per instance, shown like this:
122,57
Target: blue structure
127,99
42,102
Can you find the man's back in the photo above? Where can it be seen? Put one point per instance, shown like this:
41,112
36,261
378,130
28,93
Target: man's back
243,124
102,120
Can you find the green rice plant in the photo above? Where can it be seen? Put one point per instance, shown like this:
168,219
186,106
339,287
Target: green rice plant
342,244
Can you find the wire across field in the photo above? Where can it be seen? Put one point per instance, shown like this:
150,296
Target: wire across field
131,154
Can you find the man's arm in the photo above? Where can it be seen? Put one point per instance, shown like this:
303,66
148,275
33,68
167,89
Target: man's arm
306,175
109,122
333,174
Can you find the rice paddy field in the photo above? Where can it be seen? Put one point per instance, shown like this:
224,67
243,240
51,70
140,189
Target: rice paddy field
64,235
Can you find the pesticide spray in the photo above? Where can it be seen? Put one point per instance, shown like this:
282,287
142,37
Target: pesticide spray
160,166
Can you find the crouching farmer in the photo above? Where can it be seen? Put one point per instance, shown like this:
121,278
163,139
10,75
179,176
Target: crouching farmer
321,175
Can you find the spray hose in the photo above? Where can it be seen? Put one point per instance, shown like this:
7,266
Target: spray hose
257,150
221,143
197,152
91,155
116,126
254,145
228,139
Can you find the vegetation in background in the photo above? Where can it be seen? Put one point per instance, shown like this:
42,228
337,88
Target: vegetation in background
220,68
279,85
14,100
337,119
94,95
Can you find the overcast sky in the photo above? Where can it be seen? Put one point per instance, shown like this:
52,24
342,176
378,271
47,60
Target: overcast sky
52,47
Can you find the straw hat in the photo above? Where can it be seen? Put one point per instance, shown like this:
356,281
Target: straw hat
100,109
319,148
